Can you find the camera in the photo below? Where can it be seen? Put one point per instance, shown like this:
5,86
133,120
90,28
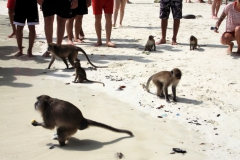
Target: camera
214,28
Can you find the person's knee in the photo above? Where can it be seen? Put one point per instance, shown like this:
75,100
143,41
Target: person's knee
98,18
237,29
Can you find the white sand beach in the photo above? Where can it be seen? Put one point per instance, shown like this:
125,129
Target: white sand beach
204,121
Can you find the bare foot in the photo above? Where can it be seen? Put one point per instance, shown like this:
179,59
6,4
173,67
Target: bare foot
174,42
110,44
78,40
161,41
230,47
214,17
11,35
70,42
81,37
46,54
18,54
98,44
114,25
29,54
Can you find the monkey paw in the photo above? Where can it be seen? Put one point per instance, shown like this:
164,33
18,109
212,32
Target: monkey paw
35,123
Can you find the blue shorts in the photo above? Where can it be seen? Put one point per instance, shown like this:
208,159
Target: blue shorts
174,5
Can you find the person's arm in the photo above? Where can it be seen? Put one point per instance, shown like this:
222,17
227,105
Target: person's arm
40,2
89,3
74,4
218,23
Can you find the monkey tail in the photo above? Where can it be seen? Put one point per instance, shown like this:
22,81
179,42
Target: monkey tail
80,49
148,82
95,82
97,124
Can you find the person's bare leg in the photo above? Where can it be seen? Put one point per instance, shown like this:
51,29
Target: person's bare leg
164,23
176,24
81,33
31,36
214,9
98,28
115,11
48,28
227,39
129,2
78,27
237,36
218,4
69,29
11,17
19,37
60,29
122,9
108,27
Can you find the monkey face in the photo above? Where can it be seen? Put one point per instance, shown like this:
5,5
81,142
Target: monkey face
41,102
150,37
176,73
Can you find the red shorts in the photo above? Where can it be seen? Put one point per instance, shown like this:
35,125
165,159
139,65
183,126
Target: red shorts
99,5
11,4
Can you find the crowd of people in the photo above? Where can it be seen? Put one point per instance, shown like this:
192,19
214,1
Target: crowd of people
72,11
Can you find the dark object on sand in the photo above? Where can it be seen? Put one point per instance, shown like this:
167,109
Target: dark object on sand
178,150
214,28
189,16
119,155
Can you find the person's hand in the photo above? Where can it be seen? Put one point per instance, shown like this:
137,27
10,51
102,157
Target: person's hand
74,4
89,3
40,2
216,30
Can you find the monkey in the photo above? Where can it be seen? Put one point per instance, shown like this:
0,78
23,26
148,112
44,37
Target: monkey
66,51
150,44
193,43
80,74
66,117
163,80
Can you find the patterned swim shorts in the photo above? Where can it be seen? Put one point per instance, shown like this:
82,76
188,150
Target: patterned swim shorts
174,5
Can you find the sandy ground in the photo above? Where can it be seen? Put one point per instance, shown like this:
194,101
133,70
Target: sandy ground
204,122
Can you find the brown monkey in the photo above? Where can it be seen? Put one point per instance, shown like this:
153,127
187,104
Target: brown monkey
163,80
80,74
66,51
193,43
150,44
66,117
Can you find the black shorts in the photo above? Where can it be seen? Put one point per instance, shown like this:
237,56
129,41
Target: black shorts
81,9
61,8
174,5
26,11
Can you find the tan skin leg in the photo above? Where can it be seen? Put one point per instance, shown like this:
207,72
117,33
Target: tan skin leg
78,29
108,27
176,24
19,37
32,36
48,28
11,17
98,28
69,29
115,11
60,29
122,9
215,8
164,23
237,35
227,39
